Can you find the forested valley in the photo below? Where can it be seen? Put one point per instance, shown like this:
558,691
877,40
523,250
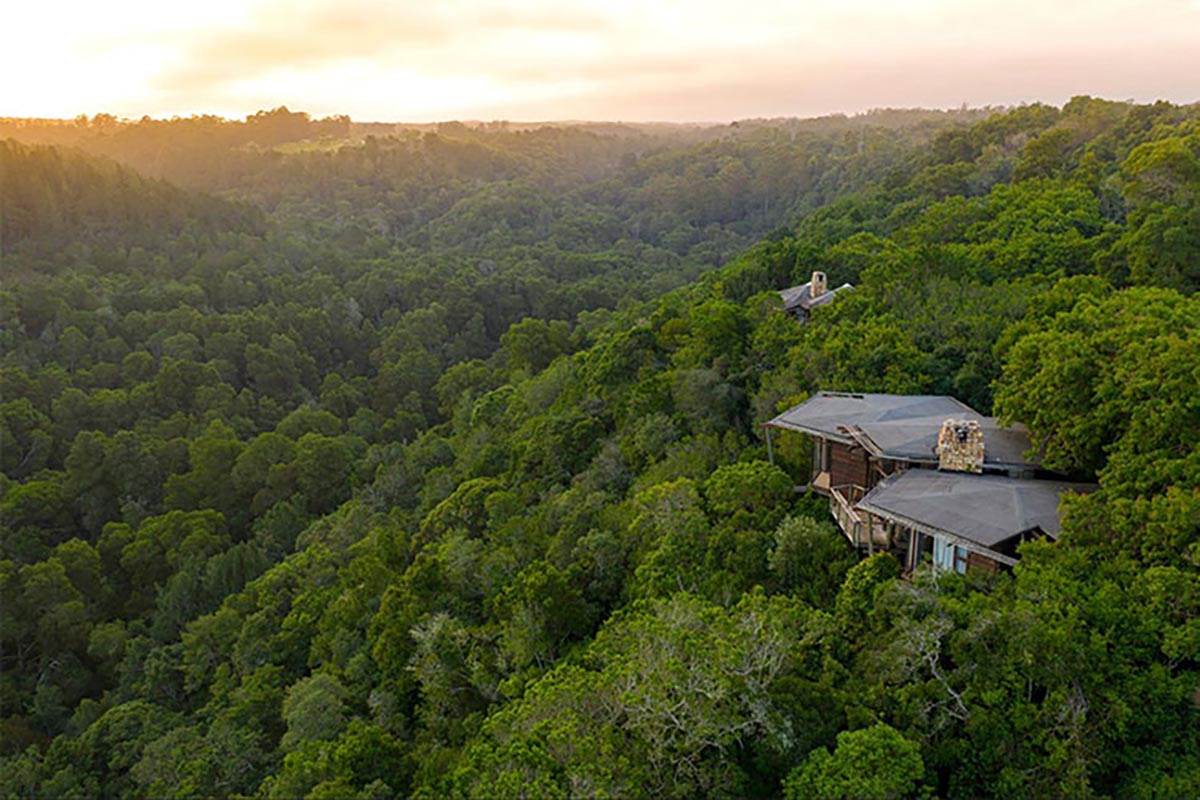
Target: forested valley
360,461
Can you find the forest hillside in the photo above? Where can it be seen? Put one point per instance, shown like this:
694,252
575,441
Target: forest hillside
430,464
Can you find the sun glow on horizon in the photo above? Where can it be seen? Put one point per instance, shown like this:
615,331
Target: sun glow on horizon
540,59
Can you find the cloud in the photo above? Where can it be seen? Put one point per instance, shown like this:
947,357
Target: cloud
629,59
307,38
436,38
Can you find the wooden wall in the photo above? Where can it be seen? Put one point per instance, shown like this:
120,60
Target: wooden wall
976,561
849,465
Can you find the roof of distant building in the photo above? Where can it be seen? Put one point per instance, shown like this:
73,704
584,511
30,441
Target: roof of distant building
801,296
985,509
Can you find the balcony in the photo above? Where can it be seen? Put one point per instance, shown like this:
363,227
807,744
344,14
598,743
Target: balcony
862,529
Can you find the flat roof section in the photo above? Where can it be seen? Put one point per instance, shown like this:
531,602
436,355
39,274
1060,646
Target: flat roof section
984,509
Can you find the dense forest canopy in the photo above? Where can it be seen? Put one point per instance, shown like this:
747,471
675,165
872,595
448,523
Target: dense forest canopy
356,461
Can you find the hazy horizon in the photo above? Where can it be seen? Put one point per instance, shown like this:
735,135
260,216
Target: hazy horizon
536,60
682,123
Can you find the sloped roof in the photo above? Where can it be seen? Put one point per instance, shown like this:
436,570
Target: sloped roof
901,426
916,440
984,509
827,414
801,296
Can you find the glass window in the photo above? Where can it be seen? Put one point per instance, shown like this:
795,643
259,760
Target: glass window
948,556
960,559
943,554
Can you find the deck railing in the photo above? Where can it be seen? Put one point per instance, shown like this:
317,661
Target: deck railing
857,529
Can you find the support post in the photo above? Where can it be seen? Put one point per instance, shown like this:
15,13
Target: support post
770,447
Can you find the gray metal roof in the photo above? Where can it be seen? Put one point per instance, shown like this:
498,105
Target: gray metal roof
984,509
901,426
916,440
801,296
827,412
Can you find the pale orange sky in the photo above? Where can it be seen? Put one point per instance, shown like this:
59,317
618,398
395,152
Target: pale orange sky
710,60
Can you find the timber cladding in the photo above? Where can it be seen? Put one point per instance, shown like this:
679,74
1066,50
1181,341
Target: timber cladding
981,563
848,466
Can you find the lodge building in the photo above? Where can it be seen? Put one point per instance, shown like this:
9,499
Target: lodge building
926,475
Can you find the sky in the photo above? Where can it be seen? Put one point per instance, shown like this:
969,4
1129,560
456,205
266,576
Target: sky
628,60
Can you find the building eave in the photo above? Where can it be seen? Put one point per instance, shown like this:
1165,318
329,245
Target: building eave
929,530
779,424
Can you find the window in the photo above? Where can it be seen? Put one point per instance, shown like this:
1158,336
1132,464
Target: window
949,557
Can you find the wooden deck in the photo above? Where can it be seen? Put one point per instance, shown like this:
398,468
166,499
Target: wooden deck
863,530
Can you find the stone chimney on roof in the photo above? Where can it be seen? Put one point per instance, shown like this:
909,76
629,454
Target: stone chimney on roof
817,287
960,446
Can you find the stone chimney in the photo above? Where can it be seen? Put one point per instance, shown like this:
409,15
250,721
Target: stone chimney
960,446
817,287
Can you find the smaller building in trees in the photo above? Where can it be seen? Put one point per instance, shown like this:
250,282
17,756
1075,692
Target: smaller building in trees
799,301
